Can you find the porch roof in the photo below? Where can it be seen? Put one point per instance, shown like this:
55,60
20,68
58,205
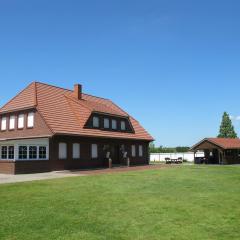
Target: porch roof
223,143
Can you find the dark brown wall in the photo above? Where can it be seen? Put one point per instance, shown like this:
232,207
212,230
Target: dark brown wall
40,128
86,161
32,166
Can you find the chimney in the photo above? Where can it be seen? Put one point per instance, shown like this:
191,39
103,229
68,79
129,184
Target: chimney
77,91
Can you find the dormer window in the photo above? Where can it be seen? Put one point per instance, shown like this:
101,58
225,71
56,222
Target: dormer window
114,124
30,120
106,123
123,125
12,122
21,121
4,124
96,122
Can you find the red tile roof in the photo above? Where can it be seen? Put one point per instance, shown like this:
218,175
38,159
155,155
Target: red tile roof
224,143
65,114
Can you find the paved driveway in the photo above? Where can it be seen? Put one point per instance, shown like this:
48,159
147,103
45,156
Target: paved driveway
7,178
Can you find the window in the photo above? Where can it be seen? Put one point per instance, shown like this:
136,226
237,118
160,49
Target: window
21,121
123,125
133,151
32,152
12,122
95,122
62,151
22,152
4,152
76,151
140,151
114,124
10,152
30,120
4,124
94,151
106,123
42,152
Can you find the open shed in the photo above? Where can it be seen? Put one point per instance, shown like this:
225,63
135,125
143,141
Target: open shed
219,150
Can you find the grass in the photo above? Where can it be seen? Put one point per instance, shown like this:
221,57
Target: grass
189,202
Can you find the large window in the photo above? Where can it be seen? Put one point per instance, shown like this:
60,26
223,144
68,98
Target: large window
114,124
140,150
21,121
106,123
123,125
32,152
4,124
94,150
30,120
22,152
12,122
133,151
62,151
96,122
42,152
7,152
76,151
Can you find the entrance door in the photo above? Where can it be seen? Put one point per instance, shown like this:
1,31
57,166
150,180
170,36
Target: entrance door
115,154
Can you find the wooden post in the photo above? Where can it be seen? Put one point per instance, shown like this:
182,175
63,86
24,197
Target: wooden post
110,163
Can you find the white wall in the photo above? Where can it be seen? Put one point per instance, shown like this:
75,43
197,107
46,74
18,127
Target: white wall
189,156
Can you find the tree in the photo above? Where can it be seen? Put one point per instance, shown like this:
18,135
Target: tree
226,128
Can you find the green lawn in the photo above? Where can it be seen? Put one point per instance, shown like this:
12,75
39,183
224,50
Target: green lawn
189,202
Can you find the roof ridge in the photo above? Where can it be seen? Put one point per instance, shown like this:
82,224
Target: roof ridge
18,94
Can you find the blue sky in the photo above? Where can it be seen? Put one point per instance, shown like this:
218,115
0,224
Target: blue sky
174,65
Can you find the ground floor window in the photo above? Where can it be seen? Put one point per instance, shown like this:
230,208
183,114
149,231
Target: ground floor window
22,152
62,151
4,152
140,150
76,151
94,151
133,151
32,152
42,152
10,152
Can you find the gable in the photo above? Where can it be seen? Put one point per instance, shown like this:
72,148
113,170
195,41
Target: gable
24,100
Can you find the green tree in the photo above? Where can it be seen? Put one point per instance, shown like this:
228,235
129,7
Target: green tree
226,128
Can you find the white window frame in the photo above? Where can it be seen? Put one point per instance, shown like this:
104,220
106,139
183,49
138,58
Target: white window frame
133,150
140,150
3,123
114,124
30,120
76,152
62,150
28,142
123,125
96,122
94,151
12,120
21,120
106,123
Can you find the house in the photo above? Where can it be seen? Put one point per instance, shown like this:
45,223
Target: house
219,150
48,128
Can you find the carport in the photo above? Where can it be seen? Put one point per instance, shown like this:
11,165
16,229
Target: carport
218,150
